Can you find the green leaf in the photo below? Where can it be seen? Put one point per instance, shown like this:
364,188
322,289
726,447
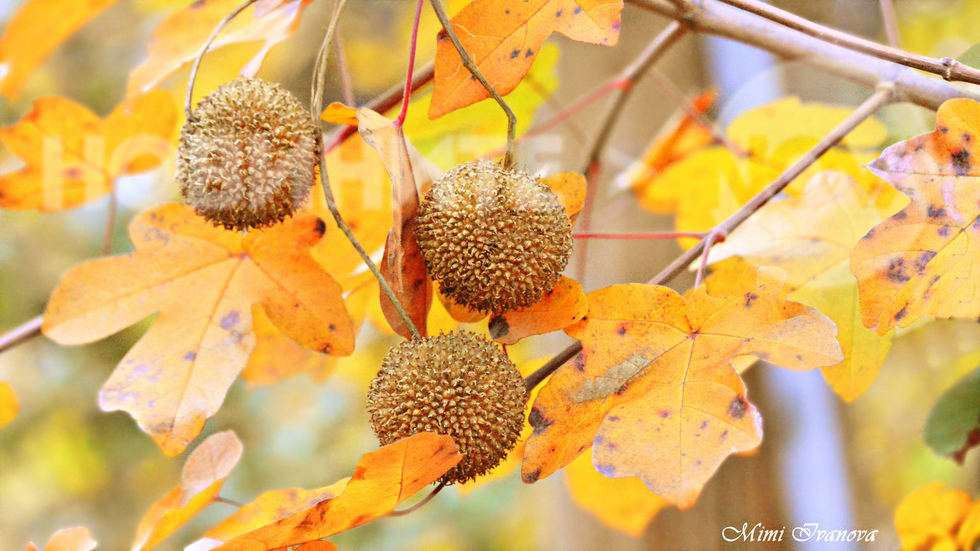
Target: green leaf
953,426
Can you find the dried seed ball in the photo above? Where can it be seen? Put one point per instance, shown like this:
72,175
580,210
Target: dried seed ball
495,239
458,384
247,155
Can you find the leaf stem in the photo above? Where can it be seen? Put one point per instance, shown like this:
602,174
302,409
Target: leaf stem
207,44
343,68
475,71
715,236
233,503
110,221
407,94
420,504
21,333
630,236
884,95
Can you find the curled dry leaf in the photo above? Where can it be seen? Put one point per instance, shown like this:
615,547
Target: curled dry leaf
503,39
178,39
381,480
203,281
921,261
32,34
73,157
402,264
654,392
204,473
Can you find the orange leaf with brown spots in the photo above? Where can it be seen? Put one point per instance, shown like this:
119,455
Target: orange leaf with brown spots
503,37
179,38
655,393
402,264
203,281
34,32
570,189
73,157
557,309
68,539
921,261
204,473
381,480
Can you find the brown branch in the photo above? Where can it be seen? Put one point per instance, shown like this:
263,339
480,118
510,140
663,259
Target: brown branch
715,18
884,95
418,505
21,333
475,71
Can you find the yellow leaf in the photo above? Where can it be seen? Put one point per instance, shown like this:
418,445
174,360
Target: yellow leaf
9,405
204,282
338,113
929,515
204,473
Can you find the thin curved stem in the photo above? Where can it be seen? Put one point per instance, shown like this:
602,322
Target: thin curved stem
204,49
420,504
21,333
715,236
475,71
233,503
407,94
110,221
318,84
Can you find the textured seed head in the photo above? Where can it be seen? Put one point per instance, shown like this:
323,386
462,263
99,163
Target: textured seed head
458,384
495,239
247,155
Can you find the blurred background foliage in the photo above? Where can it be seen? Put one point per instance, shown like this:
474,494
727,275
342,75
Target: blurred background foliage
63,462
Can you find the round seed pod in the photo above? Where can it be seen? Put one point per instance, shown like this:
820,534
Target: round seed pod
457,384
247,155
495,239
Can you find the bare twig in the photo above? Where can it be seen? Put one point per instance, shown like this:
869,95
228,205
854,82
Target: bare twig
204,49
890,22
21,333
475,71
233,503
110,221
715,18
318,84
632,236
675,95
346,84
420,504
715,236
884,95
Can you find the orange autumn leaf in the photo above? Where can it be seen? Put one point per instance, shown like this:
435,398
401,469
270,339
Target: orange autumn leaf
930,517
317,546
402,264
68,539
656,395
9,405
810,237
73,157
204,473
203,281
338,113
271,507
381,480
570,189
680,141
457,311
503,39
632,509
33,33
920,262
557,309
178,39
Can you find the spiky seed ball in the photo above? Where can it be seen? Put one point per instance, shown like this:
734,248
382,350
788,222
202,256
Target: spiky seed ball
247,155
458,384
495,239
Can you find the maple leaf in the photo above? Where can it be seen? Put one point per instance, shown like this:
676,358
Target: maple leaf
654,392
929,518
402,264
32,34
706,187
68,539
73,157
9,405
177,40
382,479
921,260
203,281
811,237
502,37
200,482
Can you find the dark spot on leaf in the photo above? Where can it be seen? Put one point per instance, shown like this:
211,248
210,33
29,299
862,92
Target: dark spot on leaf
577,11
514,54
698,463
697,435
750,298
704,424
558,13
320,228
935,212
538,421
943,231
615,26
498,327
190,356
901,313
326,349
622,329
738,407
943,129
332,327
197,4
966,137
896,271
664,414
900,215
799,357
579,363
507,12
621,390
532,477
528,53
723,436
230,320
961,161
613,418
923,261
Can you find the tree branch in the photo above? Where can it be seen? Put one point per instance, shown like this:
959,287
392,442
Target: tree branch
21,333
715,18
884,95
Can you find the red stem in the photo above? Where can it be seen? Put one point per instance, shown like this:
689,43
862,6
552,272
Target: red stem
411,66
714,236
